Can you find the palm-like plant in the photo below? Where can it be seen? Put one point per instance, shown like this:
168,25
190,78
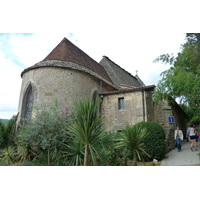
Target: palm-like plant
87,127
8,155
75,153
131,142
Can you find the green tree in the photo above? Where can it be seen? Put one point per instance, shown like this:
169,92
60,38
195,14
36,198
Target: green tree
87,128
2,133
132,141
182,79
7,132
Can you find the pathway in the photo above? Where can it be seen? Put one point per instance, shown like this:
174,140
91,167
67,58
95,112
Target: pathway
184,158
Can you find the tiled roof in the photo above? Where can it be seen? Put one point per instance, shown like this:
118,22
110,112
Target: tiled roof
118,75
67,51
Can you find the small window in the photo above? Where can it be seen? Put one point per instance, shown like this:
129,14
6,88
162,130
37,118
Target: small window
121,103
28,103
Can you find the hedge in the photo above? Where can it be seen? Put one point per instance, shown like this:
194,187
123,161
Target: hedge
154,141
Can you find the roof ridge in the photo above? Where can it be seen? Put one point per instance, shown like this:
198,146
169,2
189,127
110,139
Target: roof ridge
119,66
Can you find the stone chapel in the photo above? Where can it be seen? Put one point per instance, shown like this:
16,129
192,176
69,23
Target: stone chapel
68,73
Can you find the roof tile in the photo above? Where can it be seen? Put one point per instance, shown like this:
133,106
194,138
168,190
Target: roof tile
67,51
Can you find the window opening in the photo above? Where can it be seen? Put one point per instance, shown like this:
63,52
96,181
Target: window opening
121,103
28,103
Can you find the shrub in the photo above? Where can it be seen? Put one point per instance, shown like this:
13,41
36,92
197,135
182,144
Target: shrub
7,132
197,128
8,155
45,136
2,133
131,142
154,141
87,128
108,154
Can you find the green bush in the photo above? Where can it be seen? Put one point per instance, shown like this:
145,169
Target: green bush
43,140
197,128
154,141
108,154
2,133
8,155
7,132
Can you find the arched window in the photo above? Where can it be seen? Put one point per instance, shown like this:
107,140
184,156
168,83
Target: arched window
28,103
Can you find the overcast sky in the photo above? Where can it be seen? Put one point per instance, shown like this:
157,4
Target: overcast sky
131,51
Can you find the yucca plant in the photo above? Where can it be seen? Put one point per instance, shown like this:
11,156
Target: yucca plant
131,142
87,128
24,154
75,153
8,155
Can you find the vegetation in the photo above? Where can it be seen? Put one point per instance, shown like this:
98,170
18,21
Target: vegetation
43,140
154,140
109,155
8,155
7,132
56,137
182,80
132,142
5,121
86,130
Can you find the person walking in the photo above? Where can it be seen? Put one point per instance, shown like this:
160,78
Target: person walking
192,134
188,136
178,136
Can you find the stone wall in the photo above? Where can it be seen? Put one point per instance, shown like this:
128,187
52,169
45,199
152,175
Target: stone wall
132,113
162,111
53,83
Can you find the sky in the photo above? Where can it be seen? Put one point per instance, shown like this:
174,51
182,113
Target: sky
131,33
131,51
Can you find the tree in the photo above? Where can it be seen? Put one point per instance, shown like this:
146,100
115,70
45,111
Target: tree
182,79
132,141
7,132
87,128
2,133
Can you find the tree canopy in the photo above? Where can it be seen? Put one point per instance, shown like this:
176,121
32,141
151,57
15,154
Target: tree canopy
182,79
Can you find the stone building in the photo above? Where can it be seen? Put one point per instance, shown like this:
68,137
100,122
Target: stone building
68,73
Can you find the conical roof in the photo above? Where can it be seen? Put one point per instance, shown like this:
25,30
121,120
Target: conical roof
67,51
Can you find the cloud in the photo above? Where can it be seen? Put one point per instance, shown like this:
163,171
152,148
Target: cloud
17,52
10,83
130,50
